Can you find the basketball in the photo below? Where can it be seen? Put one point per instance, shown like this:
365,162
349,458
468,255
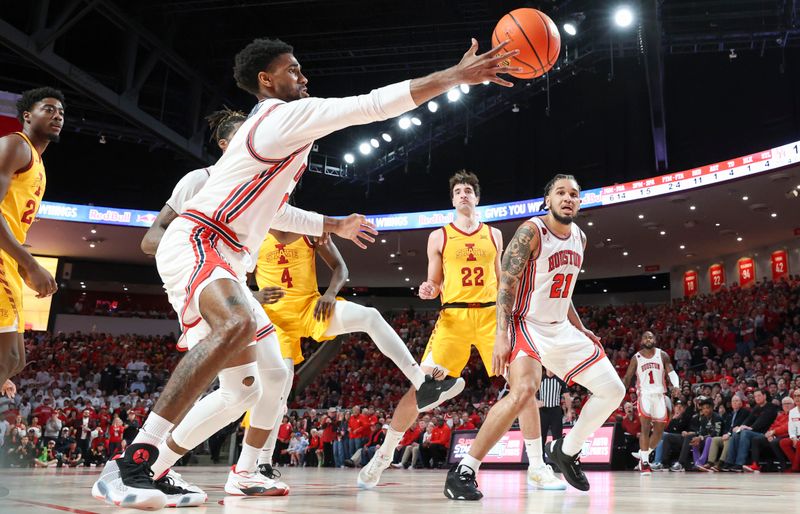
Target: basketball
536,37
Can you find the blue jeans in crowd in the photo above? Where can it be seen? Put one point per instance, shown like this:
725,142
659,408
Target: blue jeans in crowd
339,450
739,449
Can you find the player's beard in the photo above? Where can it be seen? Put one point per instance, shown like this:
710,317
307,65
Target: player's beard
54,138
564,220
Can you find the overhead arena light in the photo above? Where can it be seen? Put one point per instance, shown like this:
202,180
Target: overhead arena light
364,148
453,95
374,142
404,122
570,28
386,137
464,88
433,106
416,121
571,23
349,158
623,16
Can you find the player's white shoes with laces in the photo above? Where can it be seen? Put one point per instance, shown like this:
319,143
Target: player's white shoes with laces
370,475
253,483
544,478
190,496
140,493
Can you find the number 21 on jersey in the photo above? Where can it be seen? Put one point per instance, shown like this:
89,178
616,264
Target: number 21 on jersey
561,285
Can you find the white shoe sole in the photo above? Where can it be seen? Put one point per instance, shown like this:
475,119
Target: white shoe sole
145,500
192,499
555,487
234,491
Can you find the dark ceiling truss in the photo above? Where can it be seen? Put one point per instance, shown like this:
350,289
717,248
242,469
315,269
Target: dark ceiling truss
141,52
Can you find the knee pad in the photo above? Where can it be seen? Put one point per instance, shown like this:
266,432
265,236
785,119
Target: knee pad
274,383
240,386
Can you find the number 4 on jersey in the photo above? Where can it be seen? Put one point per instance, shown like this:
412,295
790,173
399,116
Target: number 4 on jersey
286,278
561,284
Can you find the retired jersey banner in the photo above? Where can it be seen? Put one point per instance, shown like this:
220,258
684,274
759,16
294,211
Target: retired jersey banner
780,265
747,272
690,283
717,275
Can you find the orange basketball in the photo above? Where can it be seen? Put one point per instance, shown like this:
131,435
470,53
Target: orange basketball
536,37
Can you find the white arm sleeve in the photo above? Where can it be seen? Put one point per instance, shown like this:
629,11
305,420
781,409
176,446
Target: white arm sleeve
187,187
297,123
673,379
298,221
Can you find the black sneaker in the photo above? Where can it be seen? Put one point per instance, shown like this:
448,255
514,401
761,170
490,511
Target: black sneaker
268,471
433,393
349,463
178,496
461,484
128,481
570,466
736,468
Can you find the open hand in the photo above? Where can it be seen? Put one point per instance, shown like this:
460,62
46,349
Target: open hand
474,68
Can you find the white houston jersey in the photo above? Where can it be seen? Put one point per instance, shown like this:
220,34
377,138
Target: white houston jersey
650,373
268,154
545,289
186,188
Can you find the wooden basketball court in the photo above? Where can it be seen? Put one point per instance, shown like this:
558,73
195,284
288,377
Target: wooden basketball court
320,490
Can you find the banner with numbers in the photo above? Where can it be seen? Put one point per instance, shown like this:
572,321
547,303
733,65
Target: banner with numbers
717,277
747,272
780,265
690,283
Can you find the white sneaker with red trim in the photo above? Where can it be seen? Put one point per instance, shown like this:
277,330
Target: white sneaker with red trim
251,483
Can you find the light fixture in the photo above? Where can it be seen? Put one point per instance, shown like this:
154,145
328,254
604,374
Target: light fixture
638,265
93,230
404,123
515,108
349,158
486,83
408,279
364,148
83,286
433,106
745,198
124,288
386,137
641,216
374,142
605,290
692,207
399,268
416,121
391,256
683,247
347,280
663,233
653,277
583,271
774,215
623,16
570,28
102,139
464,88
716,224
608,239
383,241
591,223
625,254
571,23
92,245
453,95
739,238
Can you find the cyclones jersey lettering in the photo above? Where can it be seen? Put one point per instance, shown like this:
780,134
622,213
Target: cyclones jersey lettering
468,263
650,373
546,286
25,192
291,267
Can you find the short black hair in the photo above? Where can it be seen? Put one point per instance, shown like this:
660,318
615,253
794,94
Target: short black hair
468,178
549,186
31,96
222,122
255,58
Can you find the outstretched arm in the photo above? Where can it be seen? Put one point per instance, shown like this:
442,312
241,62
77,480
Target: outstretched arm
522,246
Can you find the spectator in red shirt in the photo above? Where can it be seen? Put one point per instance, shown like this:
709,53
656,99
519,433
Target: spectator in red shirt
115,432
358,425
328,437
435,451
282,443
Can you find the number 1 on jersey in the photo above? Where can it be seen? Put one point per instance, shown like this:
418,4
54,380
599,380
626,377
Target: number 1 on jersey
561,284
286,278
651,377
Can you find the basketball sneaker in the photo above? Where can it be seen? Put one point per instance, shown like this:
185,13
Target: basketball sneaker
570,465
247,483
644,468
433,393
127,481
461,484
179,492
370,475
268,471
544,478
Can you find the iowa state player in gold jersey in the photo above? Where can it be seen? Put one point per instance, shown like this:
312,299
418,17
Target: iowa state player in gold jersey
288,261
22,183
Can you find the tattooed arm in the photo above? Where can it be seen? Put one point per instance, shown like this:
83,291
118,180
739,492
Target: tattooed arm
522,247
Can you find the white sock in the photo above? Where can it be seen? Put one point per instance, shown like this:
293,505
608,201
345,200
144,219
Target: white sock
645,454
154,430
390,442
470,462
351,317
247,459
166,459
607,390
534,450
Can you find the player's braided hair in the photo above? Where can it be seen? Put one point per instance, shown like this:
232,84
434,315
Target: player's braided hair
255,58
222,122
31,96
465,177
549,186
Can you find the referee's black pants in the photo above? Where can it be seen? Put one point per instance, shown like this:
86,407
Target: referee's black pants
551,420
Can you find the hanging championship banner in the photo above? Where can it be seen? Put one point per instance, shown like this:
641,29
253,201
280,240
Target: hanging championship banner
717,275
747,272
690,283
780,265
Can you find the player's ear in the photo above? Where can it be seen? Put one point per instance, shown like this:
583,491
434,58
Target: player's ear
264,79
222,144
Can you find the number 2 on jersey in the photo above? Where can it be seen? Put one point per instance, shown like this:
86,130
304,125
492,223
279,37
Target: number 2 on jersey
27,216
472,276
560,287
286,278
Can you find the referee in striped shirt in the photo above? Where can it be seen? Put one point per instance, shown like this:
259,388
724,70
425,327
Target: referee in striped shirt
551,392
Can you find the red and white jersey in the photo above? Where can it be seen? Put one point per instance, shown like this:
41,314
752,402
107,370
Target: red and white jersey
187,187
546,285
650,373
268,155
